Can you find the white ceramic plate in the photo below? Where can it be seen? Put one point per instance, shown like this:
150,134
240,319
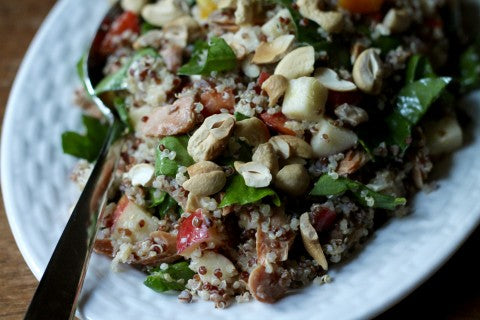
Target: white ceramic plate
37,195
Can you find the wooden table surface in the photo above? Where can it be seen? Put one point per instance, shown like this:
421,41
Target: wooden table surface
452,293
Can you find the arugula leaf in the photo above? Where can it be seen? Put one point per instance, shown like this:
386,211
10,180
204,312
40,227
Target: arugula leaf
207,57
169,167
327,186
86,146
119,104
418,67
118,80
412,103
470,68
237,192
175,277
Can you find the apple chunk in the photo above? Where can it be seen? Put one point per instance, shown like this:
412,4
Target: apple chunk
330,139
195,230
132,221
304,99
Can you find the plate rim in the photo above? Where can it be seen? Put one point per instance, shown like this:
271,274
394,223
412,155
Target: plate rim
451,247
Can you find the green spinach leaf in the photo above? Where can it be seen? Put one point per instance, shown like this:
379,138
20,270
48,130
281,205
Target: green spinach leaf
86,146
166,166
162,201
240,116
412,103
327,186
175,277
237,192
470,69
418,67
119,104
118,81
207,57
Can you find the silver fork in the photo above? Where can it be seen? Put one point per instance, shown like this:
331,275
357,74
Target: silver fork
57,294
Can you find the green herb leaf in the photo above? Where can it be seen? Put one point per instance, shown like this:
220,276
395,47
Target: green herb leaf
470,69
145,27
86,146
327,186
240,116
386,44
119,104
162,201
207,57
412,103
156,198
169,167
81,71
418,67
118,80
175,277
237,192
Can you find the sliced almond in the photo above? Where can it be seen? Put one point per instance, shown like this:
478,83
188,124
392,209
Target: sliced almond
297,63
330,79
270,52
275,86
311,242
255,174
280,24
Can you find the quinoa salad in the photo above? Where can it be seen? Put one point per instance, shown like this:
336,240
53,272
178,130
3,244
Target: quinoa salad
265,141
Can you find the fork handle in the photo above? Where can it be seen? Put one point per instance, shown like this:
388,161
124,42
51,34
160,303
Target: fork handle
57,294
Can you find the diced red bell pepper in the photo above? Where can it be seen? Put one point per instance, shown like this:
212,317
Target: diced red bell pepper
126,21
213,101
276,122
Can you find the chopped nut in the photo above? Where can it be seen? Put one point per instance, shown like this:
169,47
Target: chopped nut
255,174
244,12
351,114
297,63
330,80
311,242
293,179
203,167
252,130
265,154
270,52
443,136
397,20
353,161
265,286
357,48
141,174
193,29
205,184
249,69
193,203
274,27
211,137
367,72
330,21
133,5
162,12
275,86
296,146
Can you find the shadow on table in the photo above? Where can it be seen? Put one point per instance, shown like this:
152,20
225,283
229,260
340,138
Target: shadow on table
453,290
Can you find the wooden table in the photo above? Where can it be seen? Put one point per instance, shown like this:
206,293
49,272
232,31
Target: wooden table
453,293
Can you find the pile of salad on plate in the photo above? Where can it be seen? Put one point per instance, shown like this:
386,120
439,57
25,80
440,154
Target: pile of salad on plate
265,140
